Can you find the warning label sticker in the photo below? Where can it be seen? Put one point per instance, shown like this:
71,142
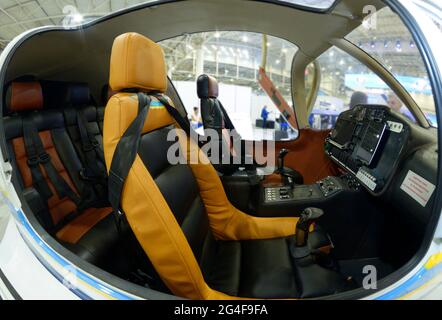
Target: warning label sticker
418,188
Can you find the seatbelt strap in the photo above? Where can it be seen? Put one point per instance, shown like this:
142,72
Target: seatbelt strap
122,160
126,152
227,122
38,180
34,144
235,135
92,151
182,121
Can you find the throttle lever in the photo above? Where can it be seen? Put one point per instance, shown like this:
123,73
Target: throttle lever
282,153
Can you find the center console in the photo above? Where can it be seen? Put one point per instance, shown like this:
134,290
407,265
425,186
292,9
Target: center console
288,200
249,193
319,191
367,143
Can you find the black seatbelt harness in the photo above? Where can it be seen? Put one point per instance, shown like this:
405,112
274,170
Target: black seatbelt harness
126,152
127,148
182,121
38,180
122,160
228,123
92,151
235,135
37,155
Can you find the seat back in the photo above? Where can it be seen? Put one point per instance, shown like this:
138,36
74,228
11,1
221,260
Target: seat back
78,100
25,101
212,112
83,125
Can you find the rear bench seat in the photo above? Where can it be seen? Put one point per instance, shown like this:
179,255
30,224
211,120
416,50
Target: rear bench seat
81,219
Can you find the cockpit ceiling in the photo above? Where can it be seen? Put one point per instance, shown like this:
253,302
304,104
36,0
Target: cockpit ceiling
19,15
311,32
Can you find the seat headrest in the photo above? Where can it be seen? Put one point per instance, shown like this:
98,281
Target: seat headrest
137,63
78,94
24,96
207,87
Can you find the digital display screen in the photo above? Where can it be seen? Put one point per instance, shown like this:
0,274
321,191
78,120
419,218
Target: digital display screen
368,141
369,145
343,131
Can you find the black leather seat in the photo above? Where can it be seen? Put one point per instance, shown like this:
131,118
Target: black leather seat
219,127
86,227
211,111
215,118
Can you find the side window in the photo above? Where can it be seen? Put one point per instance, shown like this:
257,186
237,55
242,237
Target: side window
346,82
235,59
397,52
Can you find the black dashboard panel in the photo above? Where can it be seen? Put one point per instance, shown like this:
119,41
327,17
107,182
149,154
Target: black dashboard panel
368,142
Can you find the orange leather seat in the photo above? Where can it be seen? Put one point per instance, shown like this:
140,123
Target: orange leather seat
199,243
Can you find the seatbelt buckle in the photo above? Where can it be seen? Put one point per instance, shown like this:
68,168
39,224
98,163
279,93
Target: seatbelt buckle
83,175
87,177
95,143
118,216
88,147
97,179
44,158
32,162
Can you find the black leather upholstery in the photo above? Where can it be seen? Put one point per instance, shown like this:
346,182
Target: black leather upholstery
212,114
178,186
102,244
78,95
93,124
79,105
207,87
94,246
255,268
267,271
49,120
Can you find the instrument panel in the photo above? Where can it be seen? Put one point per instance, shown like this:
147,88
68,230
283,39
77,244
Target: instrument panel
368,141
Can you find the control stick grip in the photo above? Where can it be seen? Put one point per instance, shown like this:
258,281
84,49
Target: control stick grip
311,214
308,216
281,156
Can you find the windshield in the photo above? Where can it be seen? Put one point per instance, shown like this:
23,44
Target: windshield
314,4
235,59
386,39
